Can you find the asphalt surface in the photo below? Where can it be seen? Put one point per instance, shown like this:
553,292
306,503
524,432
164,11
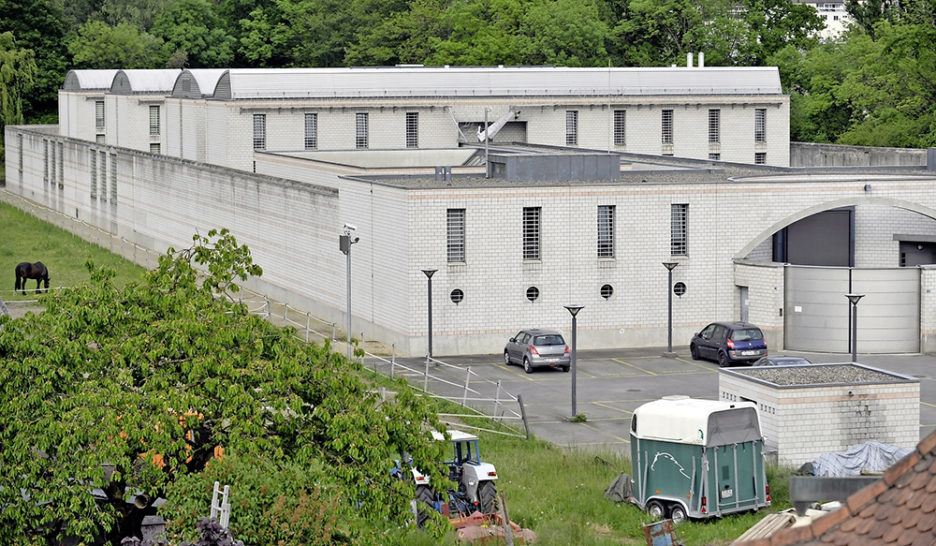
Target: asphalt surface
610,384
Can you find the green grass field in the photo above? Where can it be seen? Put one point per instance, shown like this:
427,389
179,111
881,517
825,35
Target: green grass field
558,493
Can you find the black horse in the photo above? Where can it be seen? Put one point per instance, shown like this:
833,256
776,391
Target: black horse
36,271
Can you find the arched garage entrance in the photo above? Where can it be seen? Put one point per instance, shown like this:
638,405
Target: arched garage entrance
817,316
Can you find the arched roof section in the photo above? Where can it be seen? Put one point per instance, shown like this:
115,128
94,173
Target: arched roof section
89,80
197,83
496,81
831,205
128,82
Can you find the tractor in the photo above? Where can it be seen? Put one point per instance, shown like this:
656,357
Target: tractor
475,479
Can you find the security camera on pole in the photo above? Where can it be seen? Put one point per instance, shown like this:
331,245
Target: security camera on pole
344,244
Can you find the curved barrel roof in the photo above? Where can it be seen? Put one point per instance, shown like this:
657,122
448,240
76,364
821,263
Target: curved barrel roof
297,83
197,83
144,81
89,80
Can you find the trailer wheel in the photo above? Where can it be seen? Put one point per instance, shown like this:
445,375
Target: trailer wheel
656,509
677,513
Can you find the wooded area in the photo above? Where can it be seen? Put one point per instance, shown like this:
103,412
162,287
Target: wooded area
872,86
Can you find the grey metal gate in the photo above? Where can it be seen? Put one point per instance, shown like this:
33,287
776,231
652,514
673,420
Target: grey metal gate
817,313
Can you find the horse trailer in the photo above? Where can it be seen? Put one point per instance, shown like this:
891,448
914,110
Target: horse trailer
694,458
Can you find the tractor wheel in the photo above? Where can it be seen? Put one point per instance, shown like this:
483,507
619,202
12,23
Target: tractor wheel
656,510
425,503
722,359
487,497
677,513
694,351
526,365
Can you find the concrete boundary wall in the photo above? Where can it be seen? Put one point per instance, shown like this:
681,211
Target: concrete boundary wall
808,154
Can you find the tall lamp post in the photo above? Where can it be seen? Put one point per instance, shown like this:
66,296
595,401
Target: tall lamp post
344,244
429,273
670,266
853,298
573,309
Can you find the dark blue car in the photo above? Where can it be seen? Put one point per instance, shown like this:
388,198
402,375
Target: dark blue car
729,343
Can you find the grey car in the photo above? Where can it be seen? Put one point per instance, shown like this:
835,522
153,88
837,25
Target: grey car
538,349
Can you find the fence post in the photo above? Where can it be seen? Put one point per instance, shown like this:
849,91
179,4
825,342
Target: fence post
286,312
467,380
526,425
308,325
426,377
497,400
333,333
266,302
392,359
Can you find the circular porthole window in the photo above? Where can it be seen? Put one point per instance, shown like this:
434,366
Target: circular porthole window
679,288
607,291
532,293
457,296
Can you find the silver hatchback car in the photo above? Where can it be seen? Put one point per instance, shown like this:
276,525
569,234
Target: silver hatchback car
538,349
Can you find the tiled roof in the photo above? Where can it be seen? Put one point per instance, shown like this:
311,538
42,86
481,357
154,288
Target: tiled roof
898,509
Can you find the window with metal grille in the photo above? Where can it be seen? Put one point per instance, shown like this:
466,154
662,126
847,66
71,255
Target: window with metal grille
531,232
678,227
714,126
455,235
412,129
61,165
667,127
154,148
103,171
93,169
760,158
605,231
620,126
259,131
714,156
360,130
154,120
760,125
99,114
571,127
311,131
113,182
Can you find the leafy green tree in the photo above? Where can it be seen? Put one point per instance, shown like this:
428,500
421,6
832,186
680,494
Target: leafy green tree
481,32
98,45
114,391
140,13
565,33
191,29
39,25
17,75
406,37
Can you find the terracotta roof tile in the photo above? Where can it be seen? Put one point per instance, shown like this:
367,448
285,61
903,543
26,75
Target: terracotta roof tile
915,500
929,504
921,480
906,538
923,540
866,495
892,534
913,517
925,524
927,445
931,486
829,521
897,497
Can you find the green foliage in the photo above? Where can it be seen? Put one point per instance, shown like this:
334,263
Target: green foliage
98,45
133,388
579,418
192,31
17,76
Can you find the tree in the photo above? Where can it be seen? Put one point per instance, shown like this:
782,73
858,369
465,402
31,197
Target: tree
17,76
114,391
191,29
565,33
97,45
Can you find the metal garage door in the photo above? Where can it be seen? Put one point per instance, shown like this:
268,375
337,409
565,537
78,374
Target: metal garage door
816,311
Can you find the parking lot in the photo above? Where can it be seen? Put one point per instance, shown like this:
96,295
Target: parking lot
610,384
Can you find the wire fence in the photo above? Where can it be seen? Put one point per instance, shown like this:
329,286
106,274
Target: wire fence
479,397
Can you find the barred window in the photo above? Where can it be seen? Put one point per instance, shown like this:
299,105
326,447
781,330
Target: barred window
620,126
531,232
455,235
93,169
360,130
99,114
760,125
571,127
678,216
714,156
113,182
154,120
259,131
412,129
605,231
667,128
714,126
103,171
61,165
760,158
154,148
311,131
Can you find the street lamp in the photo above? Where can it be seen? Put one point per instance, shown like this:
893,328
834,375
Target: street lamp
853,298
670,266
344,244
429,273
573,309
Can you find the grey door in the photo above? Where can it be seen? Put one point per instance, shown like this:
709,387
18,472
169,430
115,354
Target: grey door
817,313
